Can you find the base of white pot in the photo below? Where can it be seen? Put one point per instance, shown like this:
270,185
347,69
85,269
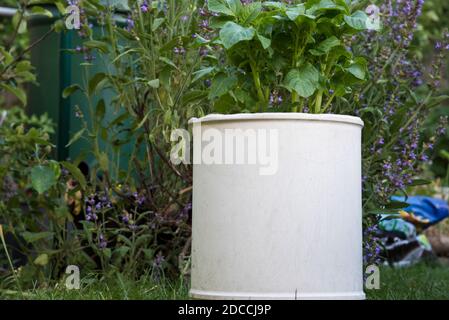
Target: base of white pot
218,295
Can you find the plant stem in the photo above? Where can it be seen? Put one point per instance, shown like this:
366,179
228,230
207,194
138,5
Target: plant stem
256,79
328,103
9,260
318,101
31,46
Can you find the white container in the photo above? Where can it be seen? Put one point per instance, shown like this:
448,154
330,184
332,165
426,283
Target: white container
294,234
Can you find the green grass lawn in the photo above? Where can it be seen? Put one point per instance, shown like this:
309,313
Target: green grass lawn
117,288
423,281
420,282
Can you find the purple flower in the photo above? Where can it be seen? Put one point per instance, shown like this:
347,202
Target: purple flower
129,24
102,242
94,205
144,6
371,247
179,50
275,98
125,218
139,199
442,126
88,57
159,259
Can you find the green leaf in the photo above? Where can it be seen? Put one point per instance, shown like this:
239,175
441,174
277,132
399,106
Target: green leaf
154,83
107,252
232,33
157,23
305,80
31,237
419,182
23,66
142,122
202,73
358,69
41,260
294,12
6,56
324,5
235,5
118,121
357,20
76,173
326,46
396,205
22,27
100,110
94,81
16,91
193,95
444,154
103,160
220,6
437,101
225,104
119,253
221,85
70,90
76,137
54,165
250,12
265,42
168,62
273,5
36,10
99,45
61,8
339,51
42,178
59,26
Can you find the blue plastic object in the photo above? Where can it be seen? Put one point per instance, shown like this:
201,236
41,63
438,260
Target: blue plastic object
428,209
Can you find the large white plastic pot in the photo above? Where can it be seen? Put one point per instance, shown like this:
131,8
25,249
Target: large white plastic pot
294,234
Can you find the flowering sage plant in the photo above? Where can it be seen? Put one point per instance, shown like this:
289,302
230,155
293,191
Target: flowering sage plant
153,50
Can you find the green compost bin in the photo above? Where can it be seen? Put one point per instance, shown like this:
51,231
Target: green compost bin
56,69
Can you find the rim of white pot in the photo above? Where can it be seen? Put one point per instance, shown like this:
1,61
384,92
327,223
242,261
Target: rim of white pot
279,116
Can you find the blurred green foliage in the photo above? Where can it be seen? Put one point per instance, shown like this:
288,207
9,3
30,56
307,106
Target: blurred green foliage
433,23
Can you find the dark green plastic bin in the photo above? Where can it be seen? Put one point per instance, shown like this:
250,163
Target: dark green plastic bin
57,69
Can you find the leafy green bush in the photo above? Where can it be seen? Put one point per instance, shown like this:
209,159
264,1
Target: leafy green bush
433,23
35,193
284,57
15,67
